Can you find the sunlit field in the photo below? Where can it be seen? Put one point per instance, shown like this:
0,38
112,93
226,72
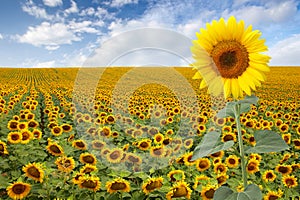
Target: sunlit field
133,138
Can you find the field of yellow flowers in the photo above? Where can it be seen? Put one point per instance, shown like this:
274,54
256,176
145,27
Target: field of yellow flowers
64,137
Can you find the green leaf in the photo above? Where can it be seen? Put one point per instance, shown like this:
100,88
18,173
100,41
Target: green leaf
245,107
249,100
252,192
222,193
209,145
227,111
208,142
267,141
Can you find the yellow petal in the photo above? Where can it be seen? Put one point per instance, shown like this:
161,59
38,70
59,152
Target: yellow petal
260,76
227,88
202,84
244,85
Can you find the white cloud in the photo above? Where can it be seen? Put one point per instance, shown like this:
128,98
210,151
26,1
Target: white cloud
53,3
82,27
72,9
88,11
30,8
286,52
47,64
49,35
264,14
120,3
1,36
140,47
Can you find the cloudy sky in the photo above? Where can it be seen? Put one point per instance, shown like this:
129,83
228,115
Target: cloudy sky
56,33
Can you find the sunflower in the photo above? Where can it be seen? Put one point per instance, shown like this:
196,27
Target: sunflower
34,171
284,169
26,136
255,156
228,136
12,125
89,182
76,178
289,181
179,189
176,175
135,159
65,164
115,155
14,137
252,166
104,131
287,138
57,130
33,124
87,158
220,168
118,184
18,190
269,176
296,144
22,125
37,134
144,144
79,144
98,144
152,184
284,128
202,164
66,127
187,158
218,154
272,195
87,169
232,161
157,151
200,179
54,149
208,192
3,148
222,178
188,143
228,54
158,138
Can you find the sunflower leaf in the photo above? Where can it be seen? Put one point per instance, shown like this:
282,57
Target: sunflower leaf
223,192
267,141
227,111
209,145
252,192
249,100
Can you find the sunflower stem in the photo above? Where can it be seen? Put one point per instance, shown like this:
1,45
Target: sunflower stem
240,140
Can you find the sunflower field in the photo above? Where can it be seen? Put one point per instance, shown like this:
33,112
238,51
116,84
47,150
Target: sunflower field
64,140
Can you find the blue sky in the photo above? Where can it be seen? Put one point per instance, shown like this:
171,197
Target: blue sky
57,33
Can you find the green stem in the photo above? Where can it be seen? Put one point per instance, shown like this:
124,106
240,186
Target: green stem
241,146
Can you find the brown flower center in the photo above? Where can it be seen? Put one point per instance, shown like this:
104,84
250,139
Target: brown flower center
118,186
34,172
19,188
89,184
180,192
89,159
210,193
230,58
153,185
54,149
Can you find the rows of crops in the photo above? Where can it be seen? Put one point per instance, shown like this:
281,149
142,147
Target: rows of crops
130,134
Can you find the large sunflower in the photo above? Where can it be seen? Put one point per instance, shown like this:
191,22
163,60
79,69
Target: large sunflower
18,190
34,171
228,58
118,184
152,184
